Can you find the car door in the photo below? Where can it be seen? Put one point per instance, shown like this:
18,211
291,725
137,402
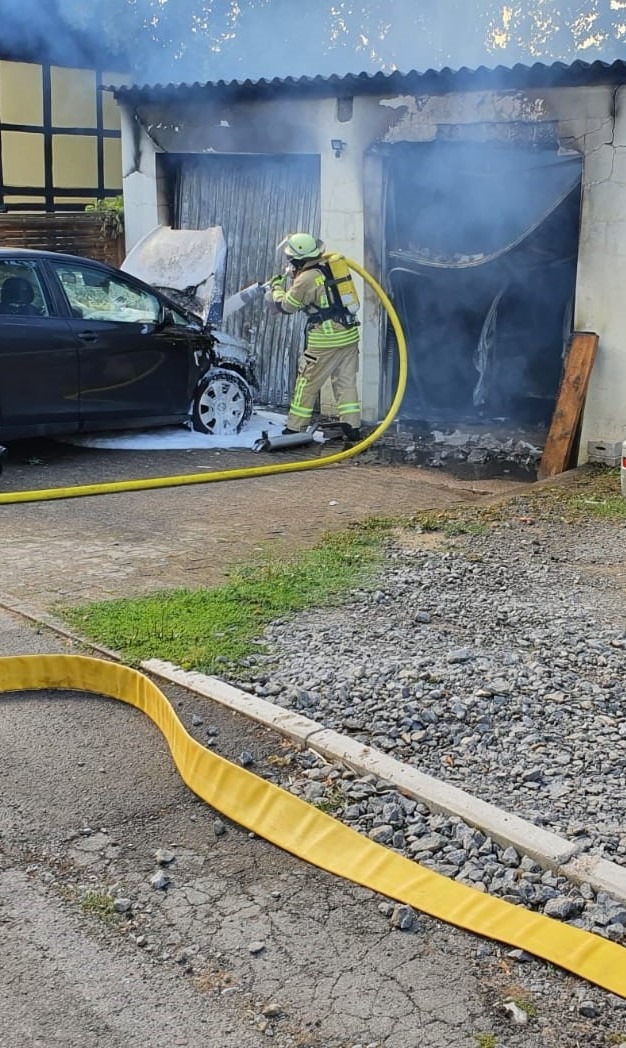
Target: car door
132,366
38,355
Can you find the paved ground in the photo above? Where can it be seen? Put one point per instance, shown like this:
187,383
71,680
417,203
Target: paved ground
89,795
135,543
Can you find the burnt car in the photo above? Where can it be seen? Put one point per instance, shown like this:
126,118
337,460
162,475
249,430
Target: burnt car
86,347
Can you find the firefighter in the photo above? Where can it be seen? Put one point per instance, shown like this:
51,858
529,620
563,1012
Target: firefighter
332,336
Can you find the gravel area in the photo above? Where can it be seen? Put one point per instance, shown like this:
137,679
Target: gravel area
494,660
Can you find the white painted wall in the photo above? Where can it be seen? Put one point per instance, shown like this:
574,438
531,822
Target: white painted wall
584,119
601,285
141,183
342,218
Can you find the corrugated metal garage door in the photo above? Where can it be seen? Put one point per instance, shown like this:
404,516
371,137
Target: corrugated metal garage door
256,200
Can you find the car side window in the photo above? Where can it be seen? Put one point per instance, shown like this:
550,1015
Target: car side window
21,290
180,320
95,294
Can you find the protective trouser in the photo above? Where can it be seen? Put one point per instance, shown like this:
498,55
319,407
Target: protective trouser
340,364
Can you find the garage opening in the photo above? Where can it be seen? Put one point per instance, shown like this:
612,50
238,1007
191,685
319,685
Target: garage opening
481,254
256,200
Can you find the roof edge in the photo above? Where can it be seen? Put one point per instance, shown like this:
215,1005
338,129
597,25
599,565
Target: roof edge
558,74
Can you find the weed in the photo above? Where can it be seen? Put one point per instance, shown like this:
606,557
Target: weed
463,521
428,521
97,904
616,1038
332,801
486,1040
464,527
526,1006
610,507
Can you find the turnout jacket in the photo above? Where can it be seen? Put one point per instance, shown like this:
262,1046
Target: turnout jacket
308,293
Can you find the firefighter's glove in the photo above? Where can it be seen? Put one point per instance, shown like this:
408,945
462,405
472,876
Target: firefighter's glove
277,283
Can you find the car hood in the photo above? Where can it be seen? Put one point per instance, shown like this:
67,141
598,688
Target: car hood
187,265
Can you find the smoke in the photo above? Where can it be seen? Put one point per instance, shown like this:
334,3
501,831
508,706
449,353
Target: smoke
199,40
481,242
33,30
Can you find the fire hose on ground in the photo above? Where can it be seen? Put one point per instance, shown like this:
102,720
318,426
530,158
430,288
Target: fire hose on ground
280,817
321,840
113,487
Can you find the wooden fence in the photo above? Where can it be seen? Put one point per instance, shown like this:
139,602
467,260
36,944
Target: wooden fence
75,234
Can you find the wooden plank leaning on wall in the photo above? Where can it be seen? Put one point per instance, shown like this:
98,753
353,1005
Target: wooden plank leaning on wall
569,404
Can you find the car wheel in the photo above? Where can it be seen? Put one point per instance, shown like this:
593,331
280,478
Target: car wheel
222,403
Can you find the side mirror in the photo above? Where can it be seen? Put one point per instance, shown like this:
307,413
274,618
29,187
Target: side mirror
165,319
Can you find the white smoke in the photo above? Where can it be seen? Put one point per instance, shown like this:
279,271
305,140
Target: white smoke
200,40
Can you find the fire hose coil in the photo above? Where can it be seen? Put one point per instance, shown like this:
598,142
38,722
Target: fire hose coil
308,833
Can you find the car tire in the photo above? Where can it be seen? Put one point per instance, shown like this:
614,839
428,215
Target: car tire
222,403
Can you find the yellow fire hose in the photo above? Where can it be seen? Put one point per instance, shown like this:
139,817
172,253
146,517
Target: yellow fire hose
310,834
82,490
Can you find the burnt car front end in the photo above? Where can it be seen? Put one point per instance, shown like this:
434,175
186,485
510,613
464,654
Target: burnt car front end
187,267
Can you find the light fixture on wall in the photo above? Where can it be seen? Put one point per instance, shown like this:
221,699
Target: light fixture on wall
337,146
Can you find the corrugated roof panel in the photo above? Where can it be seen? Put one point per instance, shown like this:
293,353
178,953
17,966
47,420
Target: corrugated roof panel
445,79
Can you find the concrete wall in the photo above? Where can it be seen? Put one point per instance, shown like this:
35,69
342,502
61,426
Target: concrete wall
600,298
588,120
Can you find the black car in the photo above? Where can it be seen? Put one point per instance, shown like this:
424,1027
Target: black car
85,347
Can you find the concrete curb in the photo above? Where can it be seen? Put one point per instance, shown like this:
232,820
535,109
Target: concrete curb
547,849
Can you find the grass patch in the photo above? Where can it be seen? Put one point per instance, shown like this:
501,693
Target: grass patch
486,1040
592,492
333,800
611,507
527,1006
97,904
199,628
462,520
206,628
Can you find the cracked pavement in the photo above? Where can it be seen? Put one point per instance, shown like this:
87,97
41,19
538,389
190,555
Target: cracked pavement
90,794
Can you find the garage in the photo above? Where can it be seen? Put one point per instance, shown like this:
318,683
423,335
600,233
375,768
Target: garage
256,200
481,248
489,203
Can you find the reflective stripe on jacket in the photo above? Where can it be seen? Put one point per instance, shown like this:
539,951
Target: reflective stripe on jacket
308,293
